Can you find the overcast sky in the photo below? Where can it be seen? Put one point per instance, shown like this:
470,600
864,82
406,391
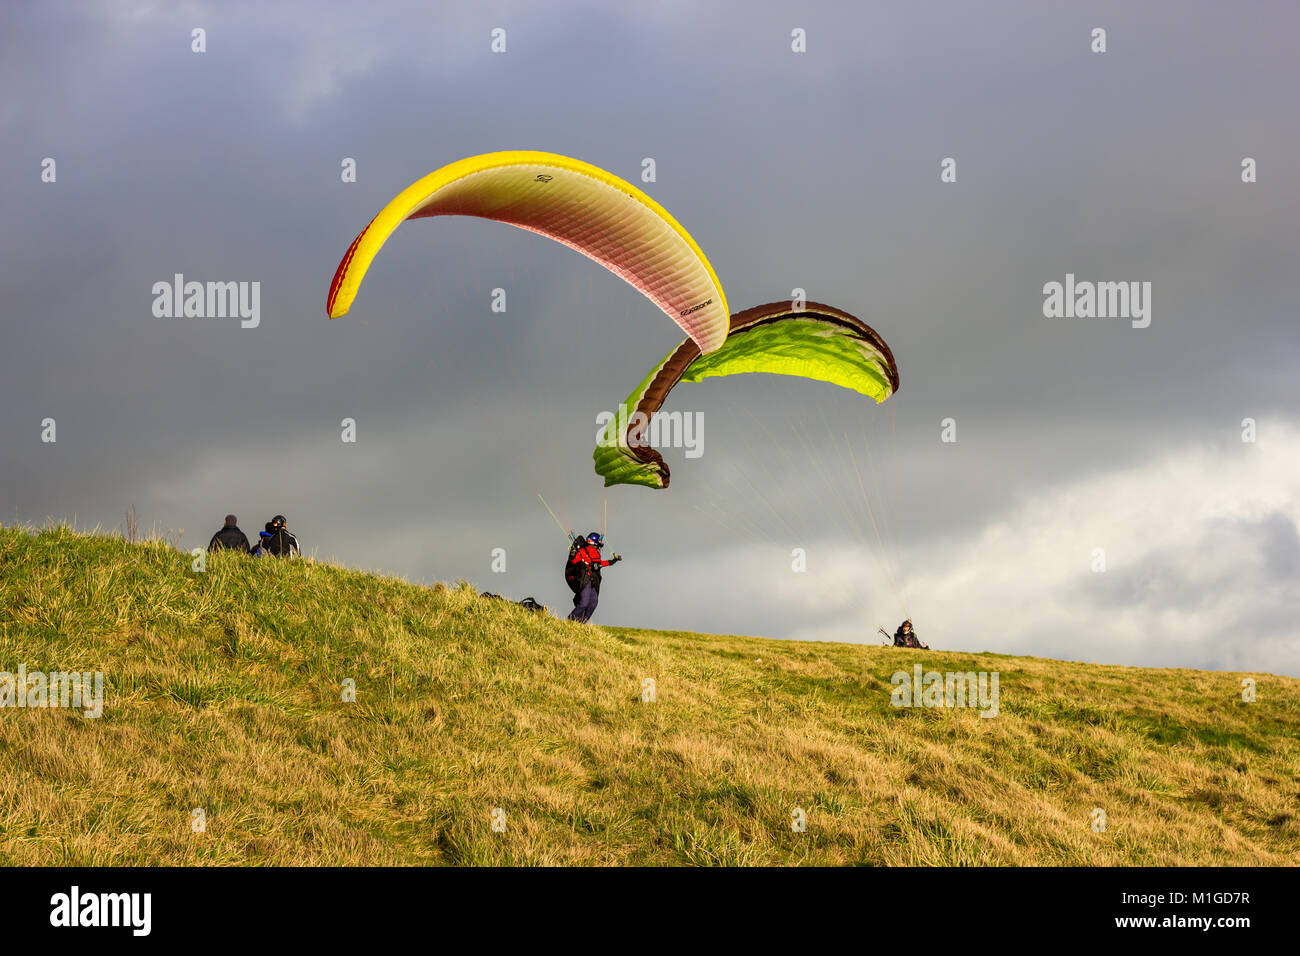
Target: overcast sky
817,170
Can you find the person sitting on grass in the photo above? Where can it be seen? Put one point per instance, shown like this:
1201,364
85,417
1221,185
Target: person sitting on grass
230,537
906,637
277,540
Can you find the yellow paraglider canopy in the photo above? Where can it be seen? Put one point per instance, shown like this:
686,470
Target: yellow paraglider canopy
580,205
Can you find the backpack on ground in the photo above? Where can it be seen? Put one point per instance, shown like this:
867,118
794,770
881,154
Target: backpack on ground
528,603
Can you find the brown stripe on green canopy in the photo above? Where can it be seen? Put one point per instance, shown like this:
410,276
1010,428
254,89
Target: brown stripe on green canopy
819,342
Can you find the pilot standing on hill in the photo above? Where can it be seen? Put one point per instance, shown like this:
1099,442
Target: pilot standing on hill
582,573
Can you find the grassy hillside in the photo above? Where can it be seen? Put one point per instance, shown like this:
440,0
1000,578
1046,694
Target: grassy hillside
224,692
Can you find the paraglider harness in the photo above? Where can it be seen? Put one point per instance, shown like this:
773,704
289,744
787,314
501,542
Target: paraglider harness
579,572
576,572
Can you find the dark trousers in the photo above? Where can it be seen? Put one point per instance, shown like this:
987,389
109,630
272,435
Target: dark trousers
584,604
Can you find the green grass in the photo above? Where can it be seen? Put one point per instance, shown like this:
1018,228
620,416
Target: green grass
224,692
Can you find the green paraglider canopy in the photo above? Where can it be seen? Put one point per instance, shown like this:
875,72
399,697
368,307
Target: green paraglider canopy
818,342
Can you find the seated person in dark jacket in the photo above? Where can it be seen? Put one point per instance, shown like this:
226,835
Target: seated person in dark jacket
278,541
906,637
229,537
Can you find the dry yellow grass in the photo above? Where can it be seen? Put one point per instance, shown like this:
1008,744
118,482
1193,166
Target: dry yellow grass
224,692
